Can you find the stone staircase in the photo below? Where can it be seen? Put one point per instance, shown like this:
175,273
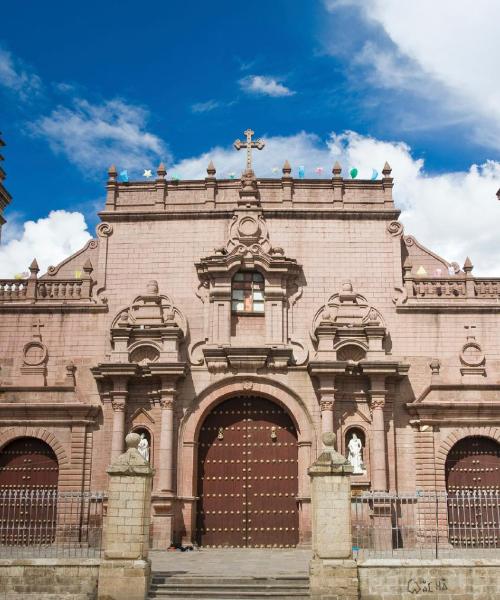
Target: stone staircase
176,587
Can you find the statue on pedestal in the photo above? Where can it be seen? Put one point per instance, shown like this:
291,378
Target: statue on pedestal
143,447
355,457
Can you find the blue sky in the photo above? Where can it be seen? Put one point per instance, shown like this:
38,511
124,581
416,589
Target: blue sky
86,84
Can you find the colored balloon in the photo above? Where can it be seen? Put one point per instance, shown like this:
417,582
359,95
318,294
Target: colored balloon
374,174
302,172
353,173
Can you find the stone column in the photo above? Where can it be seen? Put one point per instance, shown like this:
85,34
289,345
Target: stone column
326,407
125,569
118,427
119,395
164,490
378,442
166,458
333,572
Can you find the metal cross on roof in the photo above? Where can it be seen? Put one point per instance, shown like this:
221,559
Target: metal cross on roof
249,144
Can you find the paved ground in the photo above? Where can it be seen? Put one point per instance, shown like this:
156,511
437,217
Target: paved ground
233,562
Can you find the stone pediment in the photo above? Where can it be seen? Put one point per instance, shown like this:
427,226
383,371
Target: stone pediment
149,330
347,327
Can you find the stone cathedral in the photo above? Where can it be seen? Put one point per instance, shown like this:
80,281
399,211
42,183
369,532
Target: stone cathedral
232,321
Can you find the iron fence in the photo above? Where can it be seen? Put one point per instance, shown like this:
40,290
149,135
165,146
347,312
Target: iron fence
426,524
49,523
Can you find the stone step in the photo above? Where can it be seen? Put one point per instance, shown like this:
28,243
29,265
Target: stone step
228,588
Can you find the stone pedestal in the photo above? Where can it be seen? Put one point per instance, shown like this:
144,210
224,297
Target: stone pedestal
125,570
333,573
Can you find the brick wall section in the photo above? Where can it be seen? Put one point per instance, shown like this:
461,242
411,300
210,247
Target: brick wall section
452,579
48,579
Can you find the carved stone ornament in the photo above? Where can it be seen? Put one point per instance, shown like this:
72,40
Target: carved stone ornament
472,354
395,228
35,353
143,355
348,327
131,462
326,404
104,229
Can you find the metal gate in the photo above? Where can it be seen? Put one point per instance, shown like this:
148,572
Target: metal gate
28,464
247,476
473,481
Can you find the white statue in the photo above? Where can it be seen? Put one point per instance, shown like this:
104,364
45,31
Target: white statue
143,447
355,457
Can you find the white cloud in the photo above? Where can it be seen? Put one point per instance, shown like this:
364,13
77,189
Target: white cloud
446,51
49,240
266,86
202,107
93,136
455,214
18,78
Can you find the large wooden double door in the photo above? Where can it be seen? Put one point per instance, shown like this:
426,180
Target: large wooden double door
29,474
247,476
473,485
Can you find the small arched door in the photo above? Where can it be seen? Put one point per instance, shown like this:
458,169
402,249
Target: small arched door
29,474
247,476
473,485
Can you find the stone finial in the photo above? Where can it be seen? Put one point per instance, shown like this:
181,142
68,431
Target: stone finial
386,171
337,170
34,269
87,268
211,169
347,286
468,266
330,459
131,462
152,288
161,171
435,366
287,169
112,173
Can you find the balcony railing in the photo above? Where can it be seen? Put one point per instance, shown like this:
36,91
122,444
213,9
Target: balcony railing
461,287
45,290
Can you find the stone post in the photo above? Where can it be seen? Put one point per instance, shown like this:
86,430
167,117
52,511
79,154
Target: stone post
333,572
124,571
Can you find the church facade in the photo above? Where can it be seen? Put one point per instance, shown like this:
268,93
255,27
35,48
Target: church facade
231,323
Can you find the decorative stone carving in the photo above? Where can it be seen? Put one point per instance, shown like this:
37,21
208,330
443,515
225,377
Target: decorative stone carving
104,229
472,356
395,228
131,462
347,320
149,330
35,353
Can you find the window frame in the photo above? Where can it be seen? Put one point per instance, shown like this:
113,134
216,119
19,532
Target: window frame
249,283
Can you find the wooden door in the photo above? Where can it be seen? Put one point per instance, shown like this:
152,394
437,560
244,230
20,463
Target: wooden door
247,476
473,485
29,475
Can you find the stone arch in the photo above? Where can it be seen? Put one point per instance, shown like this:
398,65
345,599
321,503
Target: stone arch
239,386
455,436
12,433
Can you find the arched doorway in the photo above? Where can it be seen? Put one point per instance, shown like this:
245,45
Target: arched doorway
472,471
247,476
29,474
